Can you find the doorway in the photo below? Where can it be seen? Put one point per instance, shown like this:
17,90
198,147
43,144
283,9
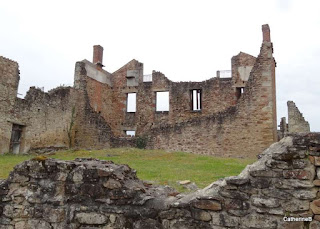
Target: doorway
15,141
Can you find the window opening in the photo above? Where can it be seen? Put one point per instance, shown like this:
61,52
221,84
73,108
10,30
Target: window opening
131,102
239,92
130,133
162,101
196,100
147,78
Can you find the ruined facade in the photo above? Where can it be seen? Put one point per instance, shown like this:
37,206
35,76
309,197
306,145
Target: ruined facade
296,122
279,191
219,116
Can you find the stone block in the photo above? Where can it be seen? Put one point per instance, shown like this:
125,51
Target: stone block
293,184
265,173
260,182
314,225
317,161
303,194
258,221
236,180
212,205
295,205
223,219
277,164
318,173
276,193
289,155
265,202
91,218
234,194
112,184
312,159
235,204
200,215
316,182
316,217
300,164
298,174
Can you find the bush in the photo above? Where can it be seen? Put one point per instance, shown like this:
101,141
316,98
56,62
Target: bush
141,142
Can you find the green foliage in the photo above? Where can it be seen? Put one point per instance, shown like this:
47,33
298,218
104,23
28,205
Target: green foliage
141,142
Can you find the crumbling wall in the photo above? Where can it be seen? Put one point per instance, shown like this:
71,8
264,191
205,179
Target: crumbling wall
216,95
9,80
247,125
241,66
88,193
296,121
91,129
46,116
227,121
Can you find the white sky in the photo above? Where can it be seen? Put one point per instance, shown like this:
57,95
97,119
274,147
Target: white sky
185,40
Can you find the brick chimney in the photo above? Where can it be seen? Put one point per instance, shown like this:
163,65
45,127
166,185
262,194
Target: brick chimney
97,56
266,33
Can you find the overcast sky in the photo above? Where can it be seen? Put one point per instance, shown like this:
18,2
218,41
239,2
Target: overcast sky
185,40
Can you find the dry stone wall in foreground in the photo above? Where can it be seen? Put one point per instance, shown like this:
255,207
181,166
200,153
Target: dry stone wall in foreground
89,193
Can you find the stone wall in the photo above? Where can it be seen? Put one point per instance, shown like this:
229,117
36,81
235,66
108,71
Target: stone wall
234,113
9,80
91,129
229,131
296,121
46,117
89,193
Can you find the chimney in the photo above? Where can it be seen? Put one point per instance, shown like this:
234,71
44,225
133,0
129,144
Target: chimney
97,56
266,33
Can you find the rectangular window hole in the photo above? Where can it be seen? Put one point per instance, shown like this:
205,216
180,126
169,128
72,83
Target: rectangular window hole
162,101
131,102
130,133
196,99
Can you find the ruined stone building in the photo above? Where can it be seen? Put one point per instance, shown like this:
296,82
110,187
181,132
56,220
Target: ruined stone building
296,122
219,116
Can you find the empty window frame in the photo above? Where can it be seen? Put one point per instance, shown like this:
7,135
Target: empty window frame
131,102
239,92
130,133
162,101
196,99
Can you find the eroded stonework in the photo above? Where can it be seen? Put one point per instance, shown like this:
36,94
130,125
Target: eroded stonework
219,116
296,122
89,193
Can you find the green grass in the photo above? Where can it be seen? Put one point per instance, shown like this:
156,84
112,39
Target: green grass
153,165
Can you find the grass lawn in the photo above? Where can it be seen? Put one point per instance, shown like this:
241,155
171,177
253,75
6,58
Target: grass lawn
153,165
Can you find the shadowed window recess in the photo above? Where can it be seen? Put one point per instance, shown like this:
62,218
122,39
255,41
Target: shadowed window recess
196,100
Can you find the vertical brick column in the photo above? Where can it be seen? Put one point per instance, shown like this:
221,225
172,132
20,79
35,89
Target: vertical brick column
266,33
97,55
